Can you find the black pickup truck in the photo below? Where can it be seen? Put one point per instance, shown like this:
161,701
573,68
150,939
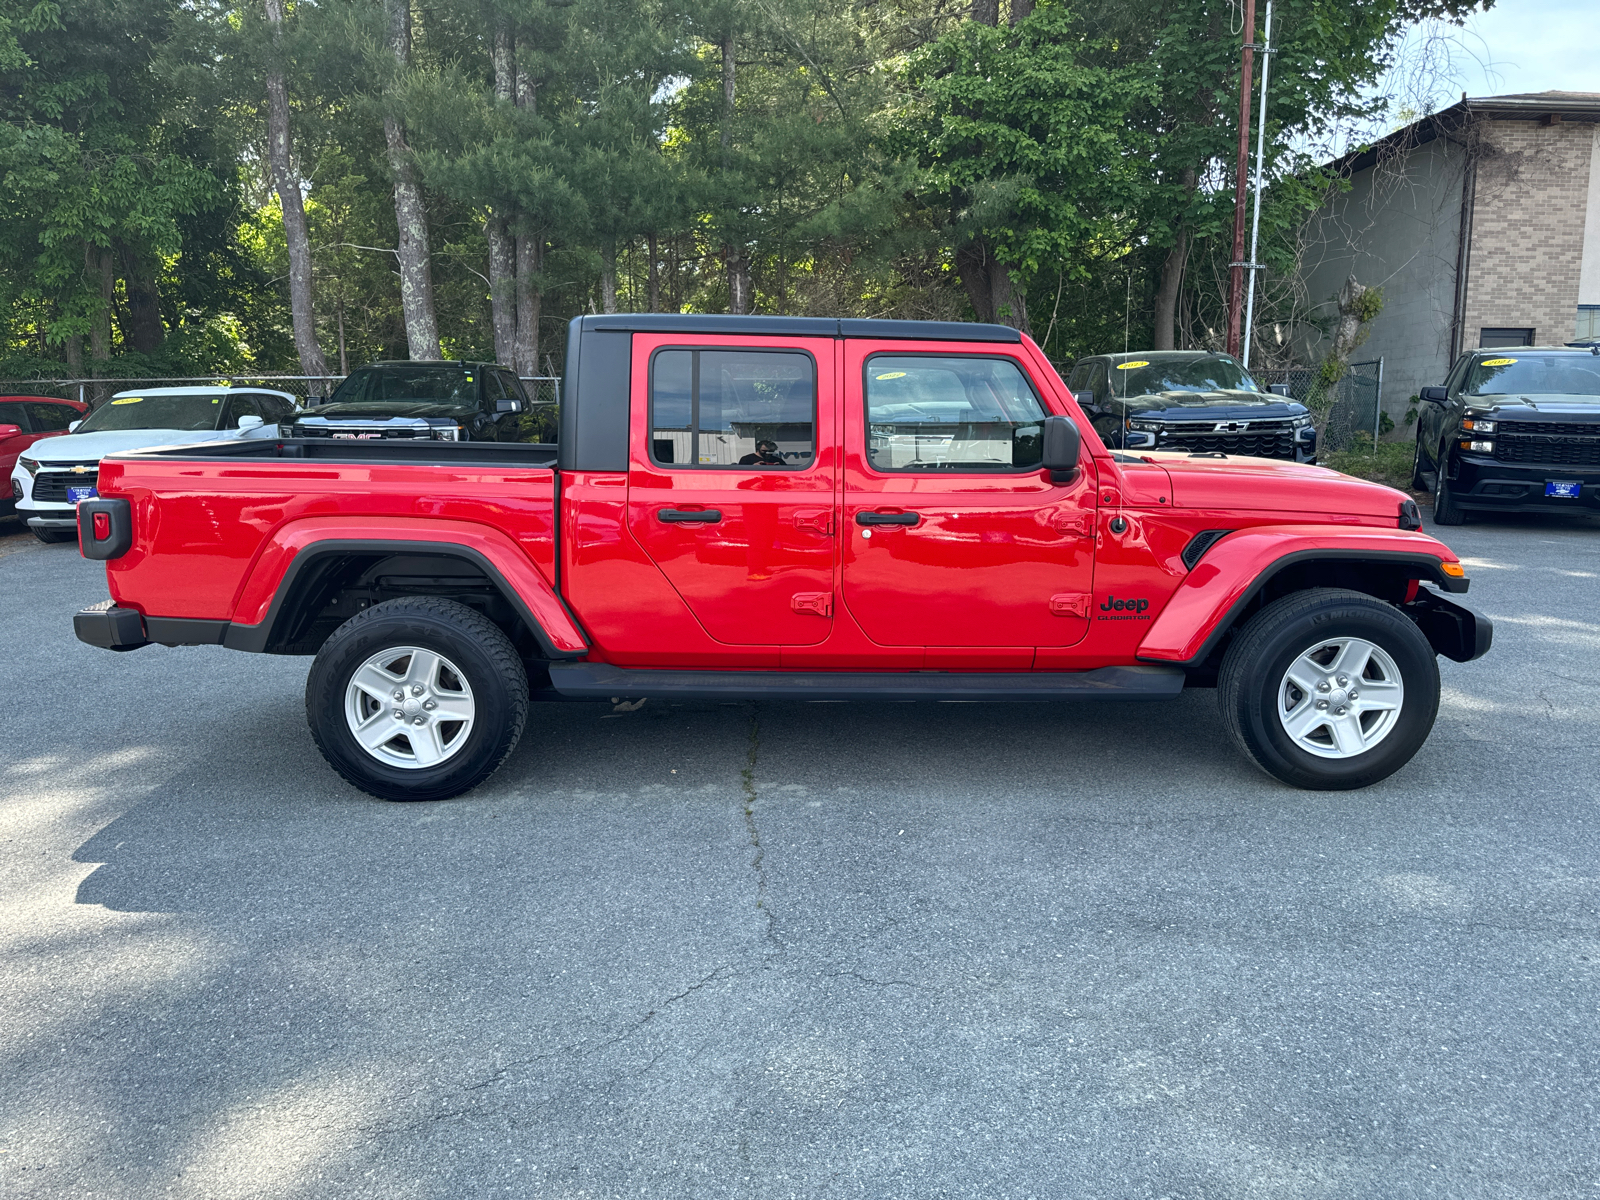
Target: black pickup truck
1512,429
441,401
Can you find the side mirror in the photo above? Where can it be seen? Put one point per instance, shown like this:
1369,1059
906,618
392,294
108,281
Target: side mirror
250,421
73,428
507,404
1278,389
1435,395
1062,441
9,431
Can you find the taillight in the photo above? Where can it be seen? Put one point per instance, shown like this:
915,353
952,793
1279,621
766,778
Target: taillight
102,526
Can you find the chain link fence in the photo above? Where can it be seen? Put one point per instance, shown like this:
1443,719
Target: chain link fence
543,390
1355,415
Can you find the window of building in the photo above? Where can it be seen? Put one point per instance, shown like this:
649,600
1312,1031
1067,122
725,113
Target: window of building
1588,323
733,408
1504,337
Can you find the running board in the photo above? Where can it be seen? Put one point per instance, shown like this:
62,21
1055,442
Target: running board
600,681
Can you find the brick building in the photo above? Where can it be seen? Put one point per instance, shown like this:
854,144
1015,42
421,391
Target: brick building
1482,225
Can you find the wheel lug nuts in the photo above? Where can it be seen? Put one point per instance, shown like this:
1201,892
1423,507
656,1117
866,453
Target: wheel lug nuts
1343,681
1322,704
1339,712
430,705
1323,686
399,694
416,688
424,721
1354,695
399,714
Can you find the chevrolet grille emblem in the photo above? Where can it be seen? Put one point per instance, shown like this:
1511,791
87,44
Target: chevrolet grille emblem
1231,426
80,470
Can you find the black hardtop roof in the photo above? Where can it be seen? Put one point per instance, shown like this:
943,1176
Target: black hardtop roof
1162,355
429,362
826,327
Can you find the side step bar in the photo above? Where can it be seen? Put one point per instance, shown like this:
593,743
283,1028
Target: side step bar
600,681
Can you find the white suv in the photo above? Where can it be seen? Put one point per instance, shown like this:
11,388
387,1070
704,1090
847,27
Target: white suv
51,476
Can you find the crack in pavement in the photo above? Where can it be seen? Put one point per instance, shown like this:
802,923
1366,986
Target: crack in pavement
757,864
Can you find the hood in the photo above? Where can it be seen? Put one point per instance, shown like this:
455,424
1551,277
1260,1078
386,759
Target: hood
1300,489
1221,406
91,447
390,408
1552,405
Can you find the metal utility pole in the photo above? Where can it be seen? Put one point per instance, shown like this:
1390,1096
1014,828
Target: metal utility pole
1241,179
1261,151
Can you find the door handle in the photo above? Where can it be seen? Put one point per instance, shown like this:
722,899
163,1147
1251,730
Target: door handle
883,518
705,516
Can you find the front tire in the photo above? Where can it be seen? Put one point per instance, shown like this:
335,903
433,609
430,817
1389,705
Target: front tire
1329,689
1445,509
418,698
1418,483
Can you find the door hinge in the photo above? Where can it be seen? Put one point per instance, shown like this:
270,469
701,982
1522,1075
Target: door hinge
815,604
819,520
1079,523
1070,604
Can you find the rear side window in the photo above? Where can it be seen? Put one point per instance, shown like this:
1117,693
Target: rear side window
951,413
12,414
752,409
51,418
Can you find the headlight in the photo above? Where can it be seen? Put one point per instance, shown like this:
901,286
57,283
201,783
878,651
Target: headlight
1479,447
1301,422
450,433
29,465
1145,426
1477,425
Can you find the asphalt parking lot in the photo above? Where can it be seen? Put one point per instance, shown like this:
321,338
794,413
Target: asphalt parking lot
785,950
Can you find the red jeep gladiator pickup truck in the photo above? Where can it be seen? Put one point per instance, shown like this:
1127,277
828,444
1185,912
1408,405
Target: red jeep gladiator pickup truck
786,508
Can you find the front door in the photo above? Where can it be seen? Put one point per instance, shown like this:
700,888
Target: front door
953,535
732,482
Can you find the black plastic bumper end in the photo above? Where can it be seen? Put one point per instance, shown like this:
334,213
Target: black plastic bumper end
109,627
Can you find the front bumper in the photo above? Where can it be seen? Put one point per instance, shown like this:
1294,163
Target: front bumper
1479,482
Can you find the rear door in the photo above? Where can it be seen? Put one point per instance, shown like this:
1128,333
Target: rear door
732,481
13,413
953,535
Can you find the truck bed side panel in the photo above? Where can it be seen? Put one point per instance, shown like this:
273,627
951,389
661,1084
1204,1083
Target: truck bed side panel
199,525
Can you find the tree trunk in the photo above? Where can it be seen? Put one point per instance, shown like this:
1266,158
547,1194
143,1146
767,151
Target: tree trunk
72,348
728,81
1167,292
145,330
410,212
280,156
608,277
1165,335
502,248
526,355
98,264
986,12
1021,10
502,287
654,275
994,296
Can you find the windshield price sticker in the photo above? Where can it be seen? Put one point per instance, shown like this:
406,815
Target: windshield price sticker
129,400
1497,362
892,375
1128,366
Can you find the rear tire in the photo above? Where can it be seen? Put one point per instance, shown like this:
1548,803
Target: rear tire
449,663
1342,735
1418,483
53,537
1445,509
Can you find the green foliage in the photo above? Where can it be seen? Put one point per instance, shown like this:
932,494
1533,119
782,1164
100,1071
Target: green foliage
868,143
1387,462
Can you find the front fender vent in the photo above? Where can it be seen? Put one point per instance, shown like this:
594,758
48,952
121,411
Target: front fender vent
1200,543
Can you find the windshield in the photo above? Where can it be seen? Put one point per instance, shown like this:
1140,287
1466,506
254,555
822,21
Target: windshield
191,412
442,385
1535,374
1211,373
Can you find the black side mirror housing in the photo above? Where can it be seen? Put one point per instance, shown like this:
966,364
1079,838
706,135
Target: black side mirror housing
1278,389
1062,442
1435,395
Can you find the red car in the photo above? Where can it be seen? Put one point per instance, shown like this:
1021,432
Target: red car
23,421
787,508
